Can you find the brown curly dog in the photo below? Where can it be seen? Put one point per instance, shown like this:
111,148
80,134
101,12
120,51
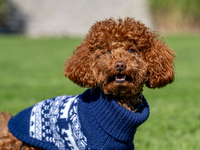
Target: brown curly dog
117,56
120,57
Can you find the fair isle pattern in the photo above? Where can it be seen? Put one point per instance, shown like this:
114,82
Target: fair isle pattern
35,122
56,121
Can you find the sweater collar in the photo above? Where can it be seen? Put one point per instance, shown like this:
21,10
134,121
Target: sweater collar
117,121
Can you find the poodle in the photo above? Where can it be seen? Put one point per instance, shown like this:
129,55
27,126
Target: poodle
115,60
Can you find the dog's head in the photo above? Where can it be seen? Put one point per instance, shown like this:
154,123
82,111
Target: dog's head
120,57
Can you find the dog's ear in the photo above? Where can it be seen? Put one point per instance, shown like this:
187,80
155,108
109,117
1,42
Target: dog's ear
77,67
160,61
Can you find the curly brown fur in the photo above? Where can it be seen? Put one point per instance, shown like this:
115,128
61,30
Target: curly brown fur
7,140
150,61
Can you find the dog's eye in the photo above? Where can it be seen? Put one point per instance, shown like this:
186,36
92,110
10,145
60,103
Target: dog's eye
108,51
132,50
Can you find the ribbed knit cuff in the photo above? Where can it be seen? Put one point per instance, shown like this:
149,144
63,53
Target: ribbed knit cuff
114,119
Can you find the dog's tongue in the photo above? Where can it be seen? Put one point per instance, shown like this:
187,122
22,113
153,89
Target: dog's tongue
120,78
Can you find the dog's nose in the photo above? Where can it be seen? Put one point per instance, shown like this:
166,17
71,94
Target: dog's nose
120,66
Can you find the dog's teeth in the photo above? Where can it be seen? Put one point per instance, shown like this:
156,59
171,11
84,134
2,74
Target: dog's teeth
120,78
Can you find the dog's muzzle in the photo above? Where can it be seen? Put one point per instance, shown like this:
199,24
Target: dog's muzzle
120,65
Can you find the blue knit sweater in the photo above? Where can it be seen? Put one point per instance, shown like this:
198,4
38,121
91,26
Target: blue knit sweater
88,121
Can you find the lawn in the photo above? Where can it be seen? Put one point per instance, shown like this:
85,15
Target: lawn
32,70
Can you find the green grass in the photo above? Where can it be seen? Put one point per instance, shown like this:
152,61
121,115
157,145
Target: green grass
32,70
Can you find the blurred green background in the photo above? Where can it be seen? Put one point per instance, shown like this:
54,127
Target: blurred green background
32,70
176,15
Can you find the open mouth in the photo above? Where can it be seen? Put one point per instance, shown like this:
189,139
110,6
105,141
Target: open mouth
118,78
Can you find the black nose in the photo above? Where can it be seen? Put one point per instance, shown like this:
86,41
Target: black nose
120,66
